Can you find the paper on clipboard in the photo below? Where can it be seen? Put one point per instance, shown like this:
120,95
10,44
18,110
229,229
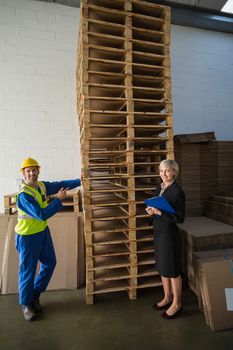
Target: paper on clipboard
160,203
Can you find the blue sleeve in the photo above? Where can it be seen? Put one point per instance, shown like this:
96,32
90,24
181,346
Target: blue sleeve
30,206
54,187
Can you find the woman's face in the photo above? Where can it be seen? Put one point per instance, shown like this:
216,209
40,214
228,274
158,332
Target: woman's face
167,174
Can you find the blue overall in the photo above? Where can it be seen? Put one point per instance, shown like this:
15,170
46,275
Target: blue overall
39,246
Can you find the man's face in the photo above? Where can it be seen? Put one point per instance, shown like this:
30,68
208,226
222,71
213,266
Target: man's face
31,174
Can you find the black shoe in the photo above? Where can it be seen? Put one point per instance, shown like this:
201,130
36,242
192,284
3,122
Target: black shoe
36,305
165,316
29,313
163,307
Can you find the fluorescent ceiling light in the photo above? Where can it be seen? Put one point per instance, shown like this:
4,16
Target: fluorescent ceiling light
228,7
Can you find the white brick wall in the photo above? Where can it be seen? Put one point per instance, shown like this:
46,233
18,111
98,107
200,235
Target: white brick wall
38,43
202,81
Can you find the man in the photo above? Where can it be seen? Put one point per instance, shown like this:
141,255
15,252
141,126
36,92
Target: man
33,239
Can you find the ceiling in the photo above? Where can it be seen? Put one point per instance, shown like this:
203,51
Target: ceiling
215,5
204,14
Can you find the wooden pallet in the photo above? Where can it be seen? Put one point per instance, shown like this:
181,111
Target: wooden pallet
125,117
72,202
10,203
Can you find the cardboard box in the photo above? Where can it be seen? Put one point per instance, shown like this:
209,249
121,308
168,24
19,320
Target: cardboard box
67,234
200,234
9,270
3,235
217,282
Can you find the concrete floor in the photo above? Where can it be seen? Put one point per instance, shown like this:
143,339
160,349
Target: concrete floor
113,322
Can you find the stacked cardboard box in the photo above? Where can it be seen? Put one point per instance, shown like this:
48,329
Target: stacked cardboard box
197,158
206,169
225,166
188,158
214,275
200,234
220,207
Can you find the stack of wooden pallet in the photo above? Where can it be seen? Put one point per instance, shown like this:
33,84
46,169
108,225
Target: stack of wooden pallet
125,116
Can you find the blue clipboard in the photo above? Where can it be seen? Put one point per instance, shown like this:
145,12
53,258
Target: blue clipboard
160,203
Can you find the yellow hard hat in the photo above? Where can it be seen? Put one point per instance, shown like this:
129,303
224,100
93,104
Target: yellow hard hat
29,162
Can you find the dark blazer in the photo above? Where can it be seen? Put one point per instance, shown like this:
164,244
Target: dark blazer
176,197
167,237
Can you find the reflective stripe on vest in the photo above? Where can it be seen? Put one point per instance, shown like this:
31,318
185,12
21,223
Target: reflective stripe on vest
27,225
24,216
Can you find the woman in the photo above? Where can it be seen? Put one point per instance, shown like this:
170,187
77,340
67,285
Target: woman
168,241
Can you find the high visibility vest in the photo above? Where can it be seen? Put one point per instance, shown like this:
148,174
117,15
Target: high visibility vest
27,225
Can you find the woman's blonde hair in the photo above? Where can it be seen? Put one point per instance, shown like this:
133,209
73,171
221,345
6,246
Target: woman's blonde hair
170,163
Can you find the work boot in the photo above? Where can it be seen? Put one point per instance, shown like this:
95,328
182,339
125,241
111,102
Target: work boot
36,305
29,313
